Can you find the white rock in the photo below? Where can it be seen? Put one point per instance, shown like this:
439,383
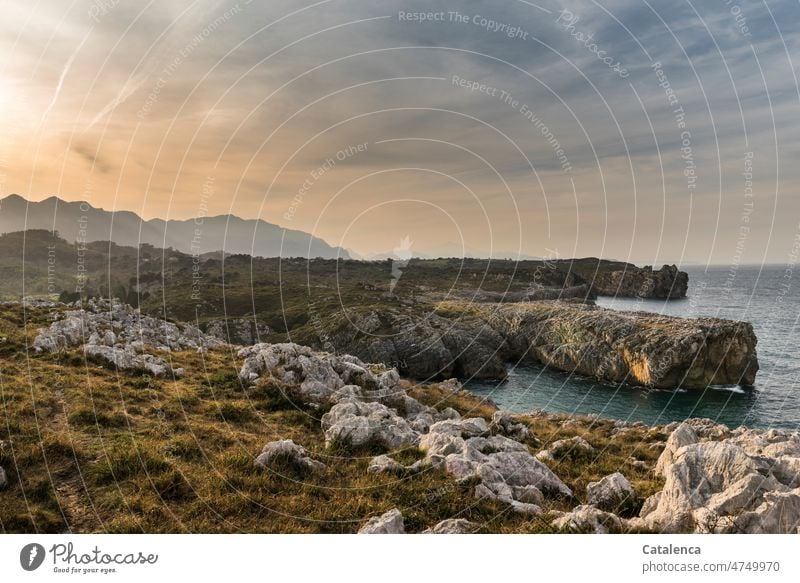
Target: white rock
588,519
384,464
610,492
388,523
359,423
287,450
683,435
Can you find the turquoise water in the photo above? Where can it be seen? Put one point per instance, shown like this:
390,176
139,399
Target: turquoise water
757,295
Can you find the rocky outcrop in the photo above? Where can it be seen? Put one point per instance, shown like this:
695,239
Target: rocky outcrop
477,340
639,348
639,282
372,409
355,423
506,469
277,454
387,523
120,335
746,482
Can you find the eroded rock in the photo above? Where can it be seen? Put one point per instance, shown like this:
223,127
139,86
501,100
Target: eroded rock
387,523
287,451
611,492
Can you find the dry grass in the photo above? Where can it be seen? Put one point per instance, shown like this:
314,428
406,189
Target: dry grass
88,449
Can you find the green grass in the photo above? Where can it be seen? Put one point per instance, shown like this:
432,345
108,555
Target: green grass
88,448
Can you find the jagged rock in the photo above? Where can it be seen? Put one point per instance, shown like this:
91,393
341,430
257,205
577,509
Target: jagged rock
566,447
477,340
683,435
507,471
469,427
321,377
635,282
779,513
119,334
587,518
114,324
742,483
387,523
358,423
3,478
453,526
383,464
611,492
503,421
287,451
449,413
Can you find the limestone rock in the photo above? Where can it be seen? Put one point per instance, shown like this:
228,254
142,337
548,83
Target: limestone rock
566,447
503,422
611,492
287,451
383,464
119,334
506,469
745,482
387,523
587,518
358,423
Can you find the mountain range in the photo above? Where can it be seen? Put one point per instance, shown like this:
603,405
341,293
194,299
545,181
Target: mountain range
80,221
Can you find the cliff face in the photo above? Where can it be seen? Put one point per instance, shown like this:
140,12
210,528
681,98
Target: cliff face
639,348
477,340
608,278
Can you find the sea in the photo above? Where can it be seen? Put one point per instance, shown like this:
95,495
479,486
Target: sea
767,296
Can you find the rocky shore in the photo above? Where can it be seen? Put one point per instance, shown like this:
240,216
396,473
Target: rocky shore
715,480
697,476
472,340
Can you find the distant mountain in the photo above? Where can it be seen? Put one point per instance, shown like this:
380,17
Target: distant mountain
79,221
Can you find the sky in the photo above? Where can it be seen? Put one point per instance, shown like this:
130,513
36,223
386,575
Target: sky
646,131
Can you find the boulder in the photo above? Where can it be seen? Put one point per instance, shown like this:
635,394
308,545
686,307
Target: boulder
287,451
387,523
357,423
504,423
506,469
383,464
587,518
567,447
611,492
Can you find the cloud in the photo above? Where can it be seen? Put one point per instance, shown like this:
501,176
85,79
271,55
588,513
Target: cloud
269,92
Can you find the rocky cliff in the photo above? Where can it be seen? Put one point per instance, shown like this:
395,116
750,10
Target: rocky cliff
610,278
477,340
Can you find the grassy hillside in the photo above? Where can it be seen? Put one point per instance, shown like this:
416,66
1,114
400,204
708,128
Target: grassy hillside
89,449
284,294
